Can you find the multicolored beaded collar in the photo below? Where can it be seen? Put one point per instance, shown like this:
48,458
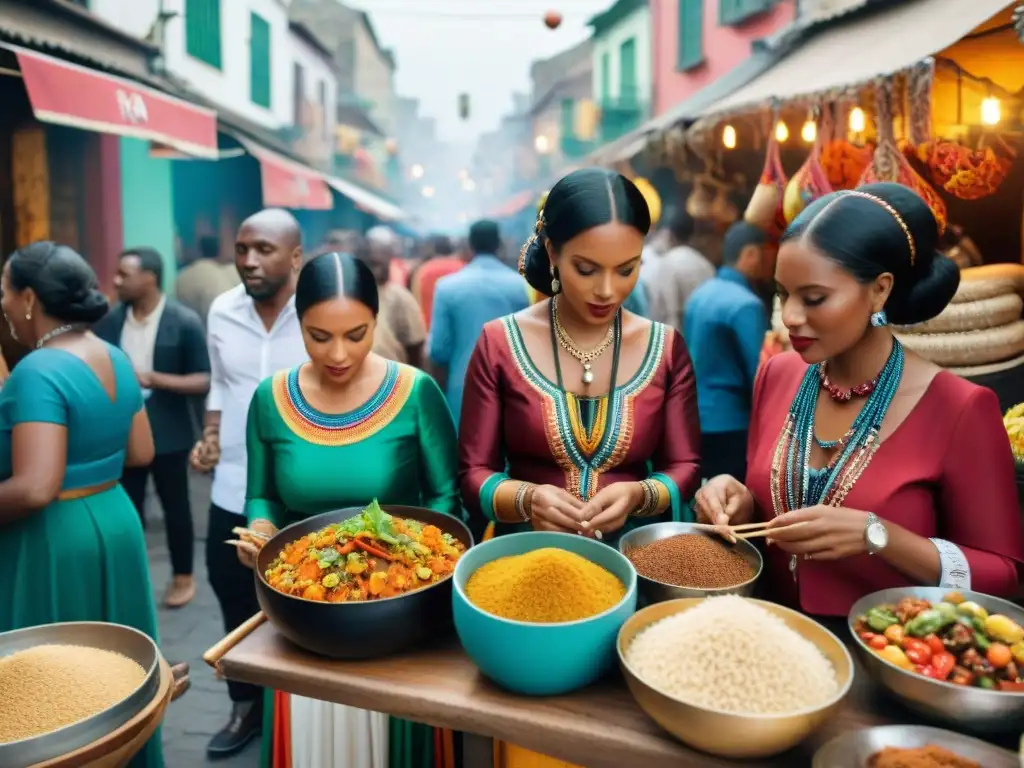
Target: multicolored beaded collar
336,429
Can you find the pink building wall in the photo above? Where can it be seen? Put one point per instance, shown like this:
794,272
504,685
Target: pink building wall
724,47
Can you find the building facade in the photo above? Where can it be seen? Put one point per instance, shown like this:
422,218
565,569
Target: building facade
695,42
235,53
314,97
563,113
622,78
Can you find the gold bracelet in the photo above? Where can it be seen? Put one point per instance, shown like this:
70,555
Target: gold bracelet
649,508
520,502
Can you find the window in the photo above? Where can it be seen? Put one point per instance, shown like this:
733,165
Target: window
737,11
627,72
606,76
202,31
690,51
298,93
568,117
322,98
259,61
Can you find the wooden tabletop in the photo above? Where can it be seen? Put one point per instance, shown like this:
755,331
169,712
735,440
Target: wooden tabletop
598,727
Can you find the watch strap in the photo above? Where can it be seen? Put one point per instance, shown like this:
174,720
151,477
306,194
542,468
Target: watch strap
955,571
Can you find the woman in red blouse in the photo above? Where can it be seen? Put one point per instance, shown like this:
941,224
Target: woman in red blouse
580,416
900,471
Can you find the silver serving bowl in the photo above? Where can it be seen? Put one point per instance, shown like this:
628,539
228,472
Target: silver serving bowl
93,634
972,709
853,749
654,591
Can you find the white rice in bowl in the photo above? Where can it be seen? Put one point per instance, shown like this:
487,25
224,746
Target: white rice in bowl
732,655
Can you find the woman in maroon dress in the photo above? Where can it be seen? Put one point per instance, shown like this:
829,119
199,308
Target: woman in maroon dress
901,472
579,416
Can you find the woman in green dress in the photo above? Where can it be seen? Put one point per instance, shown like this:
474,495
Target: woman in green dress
71,418
339,431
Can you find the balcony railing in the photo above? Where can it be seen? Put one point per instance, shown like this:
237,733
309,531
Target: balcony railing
620,116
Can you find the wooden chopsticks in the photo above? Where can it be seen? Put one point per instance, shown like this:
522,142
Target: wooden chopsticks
744,531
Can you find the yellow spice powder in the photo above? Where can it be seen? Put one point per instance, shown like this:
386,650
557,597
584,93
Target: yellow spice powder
544,586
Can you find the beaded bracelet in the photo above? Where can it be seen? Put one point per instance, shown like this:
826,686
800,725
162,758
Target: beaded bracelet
520,503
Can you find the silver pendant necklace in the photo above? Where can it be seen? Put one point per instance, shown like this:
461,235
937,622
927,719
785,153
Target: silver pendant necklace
50,335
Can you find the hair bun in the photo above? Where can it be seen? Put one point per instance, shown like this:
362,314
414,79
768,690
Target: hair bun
88,307
926,293
537,265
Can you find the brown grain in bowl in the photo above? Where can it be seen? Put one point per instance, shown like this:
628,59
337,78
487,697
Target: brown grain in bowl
691,560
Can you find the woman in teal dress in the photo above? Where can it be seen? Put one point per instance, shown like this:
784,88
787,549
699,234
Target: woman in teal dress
71,418
339,431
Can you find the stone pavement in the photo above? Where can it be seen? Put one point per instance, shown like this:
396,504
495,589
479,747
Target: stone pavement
185,634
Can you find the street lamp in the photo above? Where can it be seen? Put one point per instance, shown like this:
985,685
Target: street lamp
416,171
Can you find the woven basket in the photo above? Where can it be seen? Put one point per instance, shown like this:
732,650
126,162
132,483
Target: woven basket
972,316
972,348
988,288
976,371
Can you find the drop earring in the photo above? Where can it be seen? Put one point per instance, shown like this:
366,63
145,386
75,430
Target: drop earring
879,319
556,286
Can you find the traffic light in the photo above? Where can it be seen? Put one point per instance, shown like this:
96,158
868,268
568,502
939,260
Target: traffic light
463,106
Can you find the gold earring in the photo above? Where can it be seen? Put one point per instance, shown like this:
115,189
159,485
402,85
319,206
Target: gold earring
556,286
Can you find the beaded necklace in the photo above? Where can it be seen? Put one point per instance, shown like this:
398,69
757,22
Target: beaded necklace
794,483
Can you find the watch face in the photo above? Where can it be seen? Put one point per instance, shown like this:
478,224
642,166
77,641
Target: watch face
878,537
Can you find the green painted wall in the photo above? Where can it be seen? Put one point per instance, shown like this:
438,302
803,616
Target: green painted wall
147,204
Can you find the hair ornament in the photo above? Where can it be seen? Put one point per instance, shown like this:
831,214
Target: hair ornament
530,241
895,214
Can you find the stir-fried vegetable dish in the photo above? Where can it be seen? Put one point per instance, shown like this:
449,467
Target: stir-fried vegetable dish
367,557
955,640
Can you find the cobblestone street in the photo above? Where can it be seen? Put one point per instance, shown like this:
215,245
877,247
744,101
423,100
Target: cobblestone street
185,634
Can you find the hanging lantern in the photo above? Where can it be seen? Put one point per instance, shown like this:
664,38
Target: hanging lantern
857,120
781,132
552,19
809,132
990,111
729,137
651,196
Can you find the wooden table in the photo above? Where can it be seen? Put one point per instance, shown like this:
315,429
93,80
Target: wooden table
598,727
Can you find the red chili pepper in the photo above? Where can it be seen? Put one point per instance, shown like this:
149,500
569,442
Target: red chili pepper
370,550
935,643
345,548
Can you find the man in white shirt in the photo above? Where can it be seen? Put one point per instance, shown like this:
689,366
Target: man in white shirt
252,332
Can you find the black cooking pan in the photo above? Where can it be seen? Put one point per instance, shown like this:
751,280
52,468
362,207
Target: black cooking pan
365,629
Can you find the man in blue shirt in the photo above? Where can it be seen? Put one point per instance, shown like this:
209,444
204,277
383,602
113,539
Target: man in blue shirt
484,290
724,325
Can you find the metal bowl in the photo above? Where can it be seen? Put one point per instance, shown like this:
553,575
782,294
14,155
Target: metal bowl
92,634
973,709
728,734
359,630
853,749
653,591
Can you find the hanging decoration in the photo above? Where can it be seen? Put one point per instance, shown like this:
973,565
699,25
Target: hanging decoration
698,204
810,182
552,19
765,207
889,164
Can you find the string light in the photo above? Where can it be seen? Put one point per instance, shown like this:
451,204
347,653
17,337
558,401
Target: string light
857,120
416,171
729,137
428,191
991,113
781,132
541,144
809,132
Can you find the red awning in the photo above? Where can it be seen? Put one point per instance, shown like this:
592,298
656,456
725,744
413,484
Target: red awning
67,94
288,184
515,204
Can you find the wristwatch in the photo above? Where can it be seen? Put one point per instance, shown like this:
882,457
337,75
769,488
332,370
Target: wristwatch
876,536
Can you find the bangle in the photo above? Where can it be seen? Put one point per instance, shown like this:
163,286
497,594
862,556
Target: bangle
955,570
649,507
520,504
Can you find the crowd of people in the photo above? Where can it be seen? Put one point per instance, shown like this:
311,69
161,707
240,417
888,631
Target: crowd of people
516,394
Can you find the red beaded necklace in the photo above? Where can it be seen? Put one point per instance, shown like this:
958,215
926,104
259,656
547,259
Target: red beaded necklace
841,395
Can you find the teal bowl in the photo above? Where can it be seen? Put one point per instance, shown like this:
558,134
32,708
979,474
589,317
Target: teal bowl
541,659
